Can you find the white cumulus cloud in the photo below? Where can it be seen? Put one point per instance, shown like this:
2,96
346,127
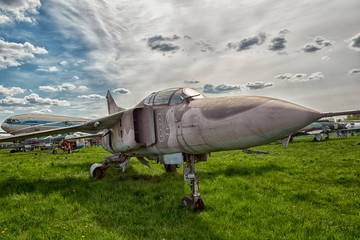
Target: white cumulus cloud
10,91
49,69
92,96
122,91
18,10
301,77
44,110
15,54
31,100
258,85
354,71
354,42
62,87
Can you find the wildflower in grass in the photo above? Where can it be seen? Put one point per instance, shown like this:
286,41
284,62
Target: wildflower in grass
2,232
83,236
86,226
74,190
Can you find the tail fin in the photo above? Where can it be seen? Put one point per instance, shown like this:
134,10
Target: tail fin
112,107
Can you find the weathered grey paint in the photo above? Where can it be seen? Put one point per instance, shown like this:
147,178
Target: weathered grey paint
210,124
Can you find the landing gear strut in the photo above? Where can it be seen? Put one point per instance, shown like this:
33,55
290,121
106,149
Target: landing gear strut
97,170
190,176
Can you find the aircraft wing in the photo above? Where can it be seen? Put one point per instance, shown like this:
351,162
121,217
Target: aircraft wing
314,132
96,124
7,145
84,136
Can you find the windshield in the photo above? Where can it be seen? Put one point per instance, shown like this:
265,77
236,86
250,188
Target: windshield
193,93
172,96
11,120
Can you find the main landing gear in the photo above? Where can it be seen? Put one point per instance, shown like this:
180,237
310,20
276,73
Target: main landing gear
190,176
97,170
195,201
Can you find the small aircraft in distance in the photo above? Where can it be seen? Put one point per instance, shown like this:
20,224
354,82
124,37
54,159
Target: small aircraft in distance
180,126
33,122
319,128
66,142
353,125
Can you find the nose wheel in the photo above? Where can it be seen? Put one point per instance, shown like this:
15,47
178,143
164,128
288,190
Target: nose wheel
190,176
197,206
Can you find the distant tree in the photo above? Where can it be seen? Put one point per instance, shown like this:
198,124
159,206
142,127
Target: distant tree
352,117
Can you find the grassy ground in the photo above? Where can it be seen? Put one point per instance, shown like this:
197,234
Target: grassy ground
308,191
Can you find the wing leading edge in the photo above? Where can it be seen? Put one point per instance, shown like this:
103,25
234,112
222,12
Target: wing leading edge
96,124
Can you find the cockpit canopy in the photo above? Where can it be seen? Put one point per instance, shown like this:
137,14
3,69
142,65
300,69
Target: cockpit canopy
172,96
11,120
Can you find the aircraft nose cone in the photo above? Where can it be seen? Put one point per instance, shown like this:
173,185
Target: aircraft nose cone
287,117
260,114
240,122
5,127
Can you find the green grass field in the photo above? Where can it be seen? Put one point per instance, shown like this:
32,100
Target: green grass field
310,190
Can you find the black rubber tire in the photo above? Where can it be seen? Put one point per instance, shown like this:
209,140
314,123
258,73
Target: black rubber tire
199,205
98,173
186,202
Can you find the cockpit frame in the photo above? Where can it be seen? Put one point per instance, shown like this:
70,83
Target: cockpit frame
172,96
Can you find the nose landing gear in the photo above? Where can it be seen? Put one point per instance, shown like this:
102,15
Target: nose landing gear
190,176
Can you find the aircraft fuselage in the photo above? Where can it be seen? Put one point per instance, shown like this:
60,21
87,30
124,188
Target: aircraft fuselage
205,125
32,122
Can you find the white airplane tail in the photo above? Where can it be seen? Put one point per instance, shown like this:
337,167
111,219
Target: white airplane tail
112,107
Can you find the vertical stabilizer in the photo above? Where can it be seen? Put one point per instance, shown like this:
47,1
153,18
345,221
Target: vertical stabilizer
112,107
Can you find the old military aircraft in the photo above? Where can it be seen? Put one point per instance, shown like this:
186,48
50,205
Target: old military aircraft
34,122
321,127
180,126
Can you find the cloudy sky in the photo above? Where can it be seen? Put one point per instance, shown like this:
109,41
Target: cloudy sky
61,57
